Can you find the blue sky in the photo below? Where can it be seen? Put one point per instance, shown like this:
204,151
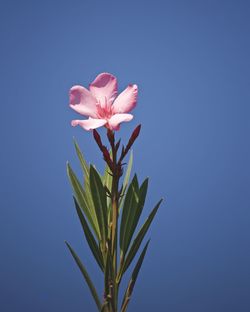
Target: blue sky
191,62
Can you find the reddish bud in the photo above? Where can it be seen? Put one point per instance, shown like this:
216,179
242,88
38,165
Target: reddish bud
132,139
135,134
117,145
105,152
111,137
107,157
97,138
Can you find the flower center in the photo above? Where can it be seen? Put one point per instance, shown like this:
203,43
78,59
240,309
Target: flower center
104,109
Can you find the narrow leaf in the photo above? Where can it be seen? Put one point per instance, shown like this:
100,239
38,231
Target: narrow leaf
83,162
100,200
89,236
86,276
90,203
130,204
126,178
82,200
107,181
135,213
107,274
85,168
133,279
128,171
107,178
138,239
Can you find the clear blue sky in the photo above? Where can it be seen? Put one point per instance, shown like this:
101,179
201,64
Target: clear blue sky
191,61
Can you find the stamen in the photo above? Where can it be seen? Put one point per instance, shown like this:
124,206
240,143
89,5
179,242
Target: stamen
104,110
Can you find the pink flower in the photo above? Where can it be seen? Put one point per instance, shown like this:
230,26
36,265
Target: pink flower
101,104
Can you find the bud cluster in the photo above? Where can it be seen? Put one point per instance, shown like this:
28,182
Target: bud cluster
114,164
104,150
131,141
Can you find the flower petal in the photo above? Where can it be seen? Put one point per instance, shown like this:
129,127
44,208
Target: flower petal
104,88
126,100
89,124
82,101
115,120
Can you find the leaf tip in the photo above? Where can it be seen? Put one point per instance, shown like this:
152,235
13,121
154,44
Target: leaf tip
68,166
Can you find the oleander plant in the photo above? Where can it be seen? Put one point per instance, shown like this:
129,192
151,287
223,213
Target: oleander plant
109,204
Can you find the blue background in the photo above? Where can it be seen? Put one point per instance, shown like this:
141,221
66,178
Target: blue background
191,61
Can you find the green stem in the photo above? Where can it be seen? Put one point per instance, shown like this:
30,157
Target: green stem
113,307
115,199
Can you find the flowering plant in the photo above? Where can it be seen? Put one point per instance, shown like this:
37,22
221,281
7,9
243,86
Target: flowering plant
109,210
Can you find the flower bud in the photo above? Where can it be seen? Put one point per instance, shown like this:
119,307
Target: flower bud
132,139
97,139
107,157
111,137
117,145
135,134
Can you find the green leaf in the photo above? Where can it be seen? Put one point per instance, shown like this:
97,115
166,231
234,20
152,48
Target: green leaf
90,202
108,291
138,239
83,162
128,171
135,213
89,236
130,204
133,279
107,273
83,200
107,181
107,177
85,169
86,276
100,201
126,178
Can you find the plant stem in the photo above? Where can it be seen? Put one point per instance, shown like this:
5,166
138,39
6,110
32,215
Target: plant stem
115,206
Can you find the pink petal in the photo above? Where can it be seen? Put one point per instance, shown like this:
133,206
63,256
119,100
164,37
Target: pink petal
115,120
104,88
82,101
126,100
89,124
